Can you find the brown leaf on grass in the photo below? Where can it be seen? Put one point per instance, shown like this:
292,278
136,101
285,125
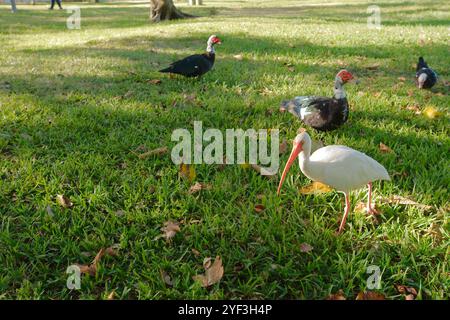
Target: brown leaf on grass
384,148
111,296
266,91
414,108
64,201
207,263
410,292
195,252
403,79
155,152
166,278
92,268
374,66
315,188
370,295
169,230
259,208
337,296
213,273
402,200
187,171
291,69
305,247
154,81
113,250
198,186
262,171
238,57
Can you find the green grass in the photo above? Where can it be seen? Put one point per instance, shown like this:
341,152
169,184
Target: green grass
75,104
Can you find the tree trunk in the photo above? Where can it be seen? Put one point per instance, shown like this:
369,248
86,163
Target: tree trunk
165,10
13,6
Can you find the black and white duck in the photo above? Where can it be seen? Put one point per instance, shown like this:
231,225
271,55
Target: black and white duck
322,113
197,64
425,76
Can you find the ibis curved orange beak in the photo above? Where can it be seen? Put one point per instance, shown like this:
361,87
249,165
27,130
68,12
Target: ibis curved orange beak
294,154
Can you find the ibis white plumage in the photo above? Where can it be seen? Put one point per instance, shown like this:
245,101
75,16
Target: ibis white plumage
340,167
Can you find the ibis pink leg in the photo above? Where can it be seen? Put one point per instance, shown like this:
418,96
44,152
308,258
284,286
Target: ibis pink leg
347,209
370,208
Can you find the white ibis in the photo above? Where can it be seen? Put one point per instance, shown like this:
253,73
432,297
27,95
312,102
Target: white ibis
340,167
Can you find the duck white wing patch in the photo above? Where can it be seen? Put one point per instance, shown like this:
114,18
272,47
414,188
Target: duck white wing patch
304,111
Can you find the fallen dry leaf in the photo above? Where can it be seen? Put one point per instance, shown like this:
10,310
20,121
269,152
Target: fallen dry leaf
170,229
431,112
384,148
315,188
111,296
401,79
166,278
198,186
187,171
337,296
195,252
409,292
154,81
64,201
207,263
259,208
263,172
402,200
155,152
373,66
92,268
213,273
414,108
305,247
238,57
113,250
370,295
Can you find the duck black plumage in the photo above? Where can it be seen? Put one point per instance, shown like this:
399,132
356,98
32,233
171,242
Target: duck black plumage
425,76
322,113
197,64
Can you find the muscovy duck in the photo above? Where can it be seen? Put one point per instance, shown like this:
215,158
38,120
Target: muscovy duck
322,113
425,76
197,64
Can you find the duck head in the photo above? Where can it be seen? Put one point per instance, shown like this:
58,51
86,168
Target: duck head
212,40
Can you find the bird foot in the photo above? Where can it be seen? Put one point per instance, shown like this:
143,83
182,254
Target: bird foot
372,211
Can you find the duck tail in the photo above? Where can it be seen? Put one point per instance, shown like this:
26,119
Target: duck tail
421,64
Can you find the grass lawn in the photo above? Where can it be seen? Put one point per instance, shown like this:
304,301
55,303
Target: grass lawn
76,108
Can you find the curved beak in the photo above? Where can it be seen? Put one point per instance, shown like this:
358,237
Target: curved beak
294,154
